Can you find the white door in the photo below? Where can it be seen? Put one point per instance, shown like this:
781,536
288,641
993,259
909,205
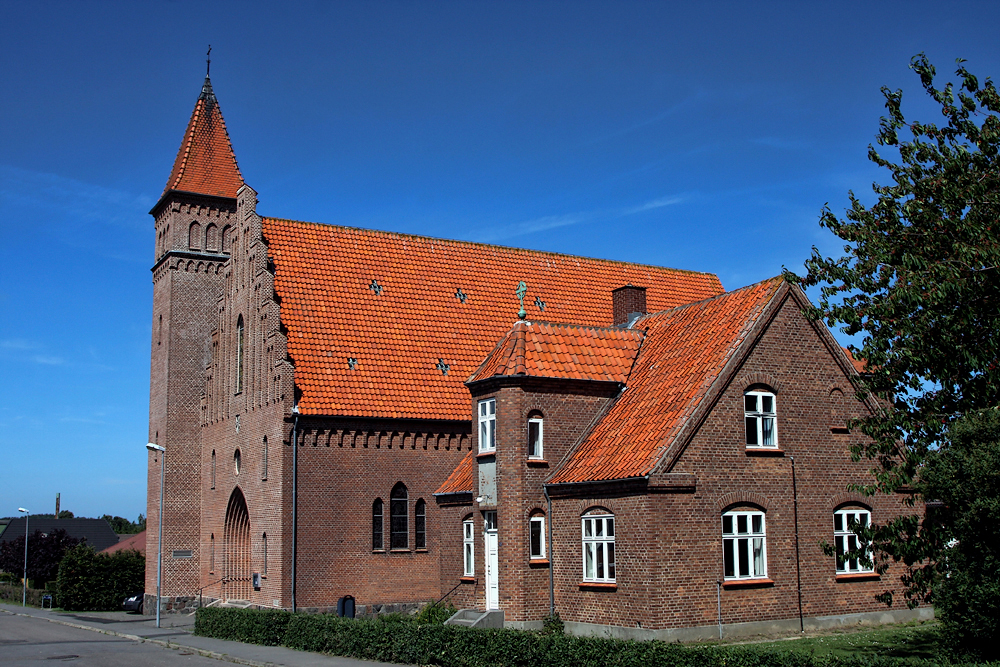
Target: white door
492,561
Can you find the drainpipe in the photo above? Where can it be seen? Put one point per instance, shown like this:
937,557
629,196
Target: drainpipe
552,561
295,495
798,566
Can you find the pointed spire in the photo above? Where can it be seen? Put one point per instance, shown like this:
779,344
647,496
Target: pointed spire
206,163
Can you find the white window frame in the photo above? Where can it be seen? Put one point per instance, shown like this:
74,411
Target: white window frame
598,532
540,522
537,445
761,418
742,543
844,539
468,548
488,425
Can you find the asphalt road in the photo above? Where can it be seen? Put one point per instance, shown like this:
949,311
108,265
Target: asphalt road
36,642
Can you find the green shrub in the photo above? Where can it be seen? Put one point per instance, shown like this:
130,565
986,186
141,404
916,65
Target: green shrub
435,613
99,582
452,646
12,593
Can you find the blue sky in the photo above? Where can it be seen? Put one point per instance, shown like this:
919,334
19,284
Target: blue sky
702,136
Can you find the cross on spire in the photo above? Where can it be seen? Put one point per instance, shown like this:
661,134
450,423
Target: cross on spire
208,64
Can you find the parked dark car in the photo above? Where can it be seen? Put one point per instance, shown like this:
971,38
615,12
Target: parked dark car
134,603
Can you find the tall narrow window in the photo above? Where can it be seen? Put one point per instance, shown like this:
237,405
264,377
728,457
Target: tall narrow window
377,525
399,529
263,467
845,522
599,548
760,412
488,425
211,555
237,461
744,552
535,433
263,541
239,354
536,537
213,468
469,549
420,524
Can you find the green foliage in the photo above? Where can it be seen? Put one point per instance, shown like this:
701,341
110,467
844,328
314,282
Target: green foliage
553,625
919,281
12,593
123,526
98,581
44,554
453,646
435,613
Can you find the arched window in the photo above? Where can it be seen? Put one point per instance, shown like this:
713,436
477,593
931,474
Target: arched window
761,417
194,236
263,469
211,555
536,537
535,436
846,521
420,524
213,468
399,529
239,354
263,543
599,547
744,548
377,525
211,237
237,460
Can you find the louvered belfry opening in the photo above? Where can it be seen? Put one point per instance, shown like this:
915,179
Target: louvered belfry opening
236,585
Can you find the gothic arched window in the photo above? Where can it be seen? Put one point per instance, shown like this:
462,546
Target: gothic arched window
399,528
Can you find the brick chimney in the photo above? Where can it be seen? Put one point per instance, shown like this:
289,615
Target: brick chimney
628,303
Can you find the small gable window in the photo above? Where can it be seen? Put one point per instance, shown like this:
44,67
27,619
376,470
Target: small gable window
399,529
599,548
468,548
377,525
488,425
536,426
761,415
744,552
851,560
420,524
536,537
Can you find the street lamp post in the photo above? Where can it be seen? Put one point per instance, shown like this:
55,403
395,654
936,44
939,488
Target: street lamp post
153,447
24,581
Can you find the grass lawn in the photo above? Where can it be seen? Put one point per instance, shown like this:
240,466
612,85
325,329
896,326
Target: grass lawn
912,640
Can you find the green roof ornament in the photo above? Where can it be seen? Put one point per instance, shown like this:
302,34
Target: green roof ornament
522,289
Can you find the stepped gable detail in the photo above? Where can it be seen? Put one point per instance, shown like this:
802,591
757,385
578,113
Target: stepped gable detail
564,351
205,163
684,352
390,325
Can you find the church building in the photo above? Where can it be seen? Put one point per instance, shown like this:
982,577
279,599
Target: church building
396,418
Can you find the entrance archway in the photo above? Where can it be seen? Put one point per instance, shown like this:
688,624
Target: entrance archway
236,585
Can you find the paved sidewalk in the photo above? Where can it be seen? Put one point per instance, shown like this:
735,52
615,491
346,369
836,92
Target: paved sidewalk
176,632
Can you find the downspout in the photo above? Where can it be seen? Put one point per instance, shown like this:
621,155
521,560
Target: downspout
552,590
798,566
295,496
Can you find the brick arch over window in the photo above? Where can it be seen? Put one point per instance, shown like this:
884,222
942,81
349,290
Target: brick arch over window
750,379
237,544
737,498
609,505
211,237
847,498
194,236
399,527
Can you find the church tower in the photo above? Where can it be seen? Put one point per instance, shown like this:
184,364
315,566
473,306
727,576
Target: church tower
193,219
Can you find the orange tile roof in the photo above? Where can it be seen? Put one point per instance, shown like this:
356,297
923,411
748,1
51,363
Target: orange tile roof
205,162
685,350
859,365
390,325
461,479
568,351
137,542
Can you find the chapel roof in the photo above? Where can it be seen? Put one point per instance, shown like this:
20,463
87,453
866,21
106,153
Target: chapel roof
391,325
682,356
205,163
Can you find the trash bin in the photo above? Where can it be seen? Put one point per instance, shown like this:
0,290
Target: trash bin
48,598
345,606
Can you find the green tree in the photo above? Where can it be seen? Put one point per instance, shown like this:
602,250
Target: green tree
919,283
123,526
99,581
45,551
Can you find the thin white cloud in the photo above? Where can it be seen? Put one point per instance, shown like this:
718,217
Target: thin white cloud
653,204
47,360
18,344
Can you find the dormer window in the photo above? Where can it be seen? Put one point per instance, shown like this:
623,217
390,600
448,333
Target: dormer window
761,417
488,425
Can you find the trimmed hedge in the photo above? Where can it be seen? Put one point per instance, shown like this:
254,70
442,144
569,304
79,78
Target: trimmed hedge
97,581
403,641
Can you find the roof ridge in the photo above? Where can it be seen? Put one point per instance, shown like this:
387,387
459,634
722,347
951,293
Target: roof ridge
711,298
485,245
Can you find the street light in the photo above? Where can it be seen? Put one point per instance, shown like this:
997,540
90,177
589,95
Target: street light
153,447
24,581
